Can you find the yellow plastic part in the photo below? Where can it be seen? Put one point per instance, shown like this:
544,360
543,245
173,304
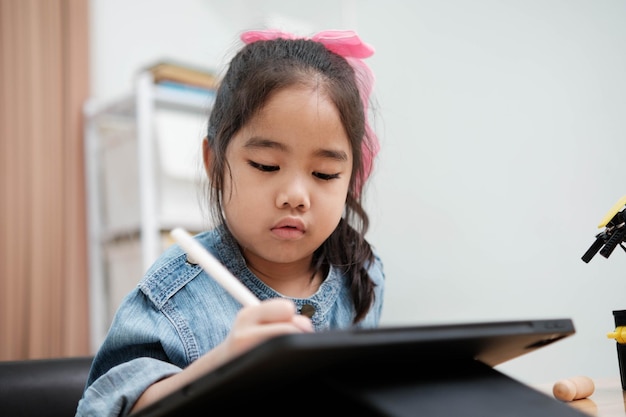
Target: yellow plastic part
612,212
619,334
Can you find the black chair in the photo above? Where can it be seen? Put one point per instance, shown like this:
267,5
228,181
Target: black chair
42,387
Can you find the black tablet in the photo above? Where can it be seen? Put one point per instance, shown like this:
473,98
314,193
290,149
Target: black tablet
362,370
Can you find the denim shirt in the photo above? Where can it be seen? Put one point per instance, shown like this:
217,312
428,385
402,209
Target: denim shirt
178,312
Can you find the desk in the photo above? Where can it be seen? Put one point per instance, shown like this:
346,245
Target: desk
608,399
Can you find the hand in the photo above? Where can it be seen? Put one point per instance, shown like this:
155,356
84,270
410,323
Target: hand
256,324
253,325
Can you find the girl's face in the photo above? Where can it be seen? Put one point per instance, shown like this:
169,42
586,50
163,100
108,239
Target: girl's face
291,167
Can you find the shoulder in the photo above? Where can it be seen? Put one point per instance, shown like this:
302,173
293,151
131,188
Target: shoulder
376,271
377,275
172,271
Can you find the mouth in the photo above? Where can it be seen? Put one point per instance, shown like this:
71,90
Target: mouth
289,228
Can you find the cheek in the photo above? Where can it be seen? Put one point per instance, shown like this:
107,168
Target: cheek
333,203
240,195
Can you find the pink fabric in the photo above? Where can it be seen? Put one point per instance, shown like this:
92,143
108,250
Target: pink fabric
347,44
342,42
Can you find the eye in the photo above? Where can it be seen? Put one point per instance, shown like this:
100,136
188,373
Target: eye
263,168
325,177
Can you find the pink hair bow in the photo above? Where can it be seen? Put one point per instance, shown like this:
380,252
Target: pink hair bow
347,44
342,42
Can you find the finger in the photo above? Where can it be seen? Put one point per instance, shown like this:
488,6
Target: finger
268,331
303,323
247,337
269,311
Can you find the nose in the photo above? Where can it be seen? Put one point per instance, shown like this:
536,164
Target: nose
293,194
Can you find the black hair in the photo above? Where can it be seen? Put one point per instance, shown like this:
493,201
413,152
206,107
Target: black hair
257,71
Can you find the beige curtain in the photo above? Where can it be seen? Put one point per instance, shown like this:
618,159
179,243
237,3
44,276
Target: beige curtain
43,264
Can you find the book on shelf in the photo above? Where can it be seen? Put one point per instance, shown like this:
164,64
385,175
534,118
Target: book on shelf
188,88
181,73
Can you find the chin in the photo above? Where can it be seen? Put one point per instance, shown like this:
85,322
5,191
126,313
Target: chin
285,255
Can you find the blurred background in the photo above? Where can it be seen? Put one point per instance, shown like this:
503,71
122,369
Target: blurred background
503,144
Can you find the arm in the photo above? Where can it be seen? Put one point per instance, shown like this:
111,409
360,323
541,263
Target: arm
253,325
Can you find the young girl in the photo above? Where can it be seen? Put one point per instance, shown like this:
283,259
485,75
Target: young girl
287,154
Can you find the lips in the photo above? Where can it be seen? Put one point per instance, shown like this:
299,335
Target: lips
290,228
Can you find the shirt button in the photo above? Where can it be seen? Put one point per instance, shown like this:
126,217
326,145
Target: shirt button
307,310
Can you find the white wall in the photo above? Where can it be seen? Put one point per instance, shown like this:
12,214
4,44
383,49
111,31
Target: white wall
503,144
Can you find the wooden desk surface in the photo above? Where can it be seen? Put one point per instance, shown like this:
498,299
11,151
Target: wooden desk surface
607,400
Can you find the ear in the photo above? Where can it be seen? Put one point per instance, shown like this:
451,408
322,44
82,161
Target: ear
206,155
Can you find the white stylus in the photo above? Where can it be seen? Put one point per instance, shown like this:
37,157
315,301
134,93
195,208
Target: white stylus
214,268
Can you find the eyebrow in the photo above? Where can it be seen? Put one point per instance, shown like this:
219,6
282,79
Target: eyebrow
259,142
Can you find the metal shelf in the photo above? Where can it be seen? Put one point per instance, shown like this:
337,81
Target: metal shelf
138,110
